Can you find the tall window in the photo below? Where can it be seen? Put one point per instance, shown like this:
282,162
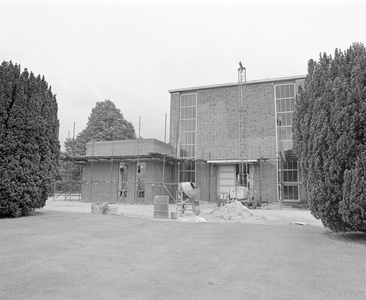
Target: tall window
288,172
285,106
187,135
290,176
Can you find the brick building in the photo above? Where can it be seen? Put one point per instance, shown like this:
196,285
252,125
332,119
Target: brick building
214,132
205,122
127,171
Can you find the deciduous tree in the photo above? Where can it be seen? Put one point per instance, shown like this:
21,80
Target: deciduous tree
105,123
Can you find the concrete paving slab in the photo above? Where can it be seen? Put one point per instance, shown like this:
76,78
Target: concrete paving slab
268,214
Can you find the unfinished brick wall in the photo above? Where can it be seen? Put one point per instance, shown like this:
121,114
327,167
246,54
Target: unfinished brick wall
127,147
206,180
98,185
106,181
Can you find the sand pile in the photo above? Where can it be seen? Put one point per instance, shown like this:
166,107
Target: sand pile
234,211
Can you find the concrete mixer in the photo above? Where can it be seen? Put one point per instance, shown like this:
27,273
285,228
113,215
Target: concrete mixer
186,195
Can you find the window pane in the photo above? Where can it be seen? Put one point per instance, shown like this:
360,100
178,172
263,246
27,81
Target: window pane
292,104
292,90
189,151
186,111
282,119
283,104
295,179
192,100
193,125
282,93
192,112
279,119
183,137
290,178
288,119
283,133
288,105
290,192
289,133
287,91
296,193
191,138
184,101
278,105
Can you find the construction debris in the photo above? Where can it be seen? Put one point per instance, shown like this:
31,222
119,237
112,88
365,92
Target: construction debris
301,223
104,208
234,211
200,220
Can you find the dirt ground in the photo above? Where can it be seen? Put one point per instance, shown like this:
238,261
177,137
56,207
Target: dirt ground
267,214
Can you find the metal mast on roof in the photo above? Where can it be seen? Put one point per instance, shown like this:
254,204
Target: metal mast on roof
242,82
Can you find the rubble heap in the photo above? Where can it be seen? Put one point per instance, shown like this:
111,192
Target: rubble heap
233,211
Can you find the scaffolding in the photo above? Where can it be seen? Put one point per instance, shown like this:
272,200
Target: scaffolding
243,122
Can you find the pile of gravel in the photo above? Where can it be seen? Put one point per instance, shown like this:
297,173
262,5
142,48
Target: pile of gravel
233,211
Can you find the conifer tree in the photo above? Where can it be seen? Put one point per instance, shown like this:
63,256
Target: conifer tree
330,137
29,146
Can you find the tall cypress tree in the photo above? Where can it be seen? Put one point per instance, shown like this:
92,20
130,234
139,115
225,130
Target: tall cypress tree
29,146
330,137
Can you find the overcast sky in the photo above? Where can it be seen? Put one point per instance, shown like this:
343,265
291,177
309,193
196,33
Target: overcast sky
133,52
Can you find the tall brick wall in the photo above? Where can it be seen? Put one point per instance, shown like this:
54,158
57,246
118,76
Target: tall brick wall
174,119
218,122
218,132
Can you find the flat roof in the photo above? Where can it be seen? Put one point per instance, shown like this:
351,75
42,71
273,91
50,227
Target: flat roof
134,158
205,87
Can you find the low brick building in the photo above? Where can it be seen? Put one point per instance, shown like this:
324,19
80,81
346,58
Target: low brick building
130,171
205,123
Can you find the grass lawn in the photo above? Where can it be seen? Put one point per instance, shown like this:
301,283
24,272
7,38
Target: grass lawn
65,255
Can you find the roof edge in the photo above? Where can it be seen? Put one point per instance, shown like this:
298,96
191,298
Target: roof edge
203,87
